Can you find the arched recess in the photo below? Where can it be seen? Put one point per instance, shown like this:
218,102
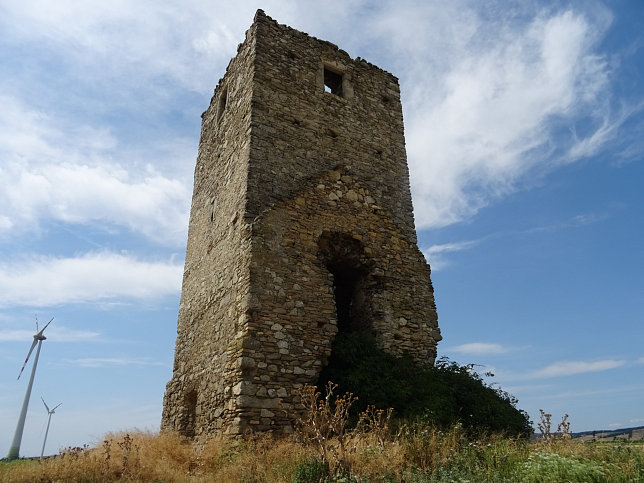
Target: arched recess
345,260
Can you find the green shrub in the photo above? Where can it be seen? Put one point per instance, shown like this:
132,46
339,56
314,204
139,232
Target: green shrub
311,471
442,395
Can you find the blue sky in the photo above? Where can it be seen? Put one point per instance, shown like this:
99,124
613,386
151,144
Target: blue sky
523,127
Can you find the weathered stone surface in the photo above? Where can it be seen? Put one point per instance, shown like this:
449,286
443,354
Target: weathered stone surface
301,226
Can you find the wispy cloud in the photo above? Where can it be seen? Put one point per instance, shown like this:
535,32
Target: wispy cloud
435,254
589,145
480,349
93,277
58,334
487,110
552,392
570,368
573,222
62,334
94,362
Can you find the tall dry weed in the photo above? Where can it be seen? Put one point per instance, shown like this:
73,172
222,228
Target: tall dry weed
545,425
324,425
428,447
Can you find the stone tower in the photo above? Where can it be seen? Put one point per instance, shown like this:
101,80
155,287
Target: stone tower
301,226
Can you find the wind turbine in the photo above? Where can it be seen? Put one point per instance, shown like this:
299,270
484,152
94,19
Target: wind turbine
50,411
14,449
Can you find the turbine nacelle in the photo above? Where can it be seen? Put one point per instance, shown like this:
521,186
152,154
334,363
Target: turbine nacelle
49,411
38,337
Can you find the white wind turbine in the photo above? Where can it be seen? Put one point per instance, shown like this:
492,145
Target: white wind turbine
50,411
14,449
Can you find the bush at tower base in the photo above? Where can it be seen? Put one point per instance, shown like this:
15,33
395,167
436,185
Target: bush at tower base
443,395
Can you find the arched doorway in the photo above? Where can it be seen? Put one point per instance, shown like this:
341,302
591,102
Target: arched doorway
344,258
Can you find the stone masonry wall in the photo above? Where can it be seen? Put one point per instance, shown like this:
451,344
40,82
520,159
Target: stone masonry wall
216,276
299,129
301,226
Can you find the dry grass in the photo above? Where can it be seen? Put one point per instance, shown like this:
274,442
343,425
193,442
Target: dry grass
417,454
255,458
325,450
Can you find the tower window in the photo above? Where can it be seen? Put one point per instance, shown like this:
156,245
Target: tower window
332,82
223,97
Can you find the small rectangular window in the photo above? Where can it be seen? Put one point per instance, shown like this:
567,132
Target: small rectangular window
332,82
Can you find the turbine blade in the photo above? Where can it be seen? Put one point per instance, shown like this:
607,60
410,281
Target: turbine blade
43,401
43,329
28,355
56,407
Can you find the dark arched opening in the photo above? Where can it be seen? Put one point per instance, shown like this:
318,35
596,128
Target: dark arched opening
344,258
350,275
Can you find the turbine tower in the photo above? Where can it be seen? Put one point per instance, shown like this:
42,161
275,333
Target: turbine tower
50,411
14,449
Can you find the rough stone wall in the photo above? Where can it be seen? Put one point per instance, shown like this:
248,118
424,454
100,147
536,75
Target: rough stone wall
216,282
299,129
301,226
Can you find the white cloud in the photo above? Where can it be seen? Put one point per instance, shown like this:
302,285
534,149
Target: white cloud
93,277
480,348
495,110
69,175
186,41
94,362
153,205
570,368
435,254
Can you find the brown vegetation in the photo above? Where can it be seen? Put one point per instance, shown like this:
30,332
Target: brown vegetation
416,453
324,449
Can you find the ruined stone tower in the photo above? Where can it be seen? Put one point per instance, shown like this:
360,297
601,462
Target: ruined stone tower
301,226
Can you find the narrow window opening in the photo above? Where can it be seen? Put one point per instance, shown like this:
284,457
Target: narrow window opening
223,98
349,298
212,209
342,255
333,82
